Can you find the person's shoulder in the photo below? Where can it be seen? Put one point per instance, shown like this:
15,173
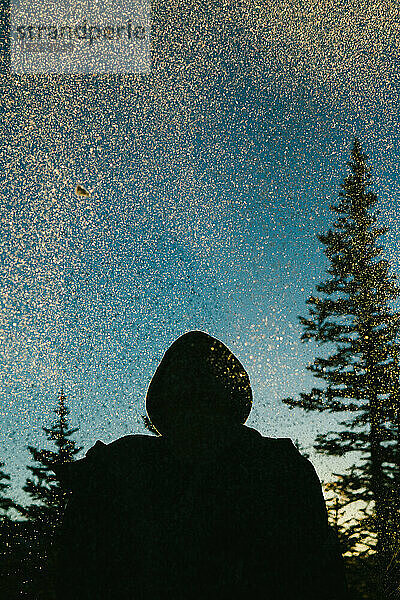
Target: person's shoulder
288,451
131,451
134,447
137,442
280,451
293,462
102,457
282,446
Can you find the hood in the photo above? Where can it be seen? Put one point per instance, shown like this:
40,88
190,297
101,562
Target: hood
198,379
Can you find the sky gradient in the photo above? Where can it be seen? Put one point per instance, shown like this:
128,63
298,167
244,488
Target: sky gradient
210,178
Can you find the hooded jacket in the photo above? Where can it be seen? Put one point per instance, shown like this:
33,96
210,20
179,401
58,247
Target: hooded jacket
231,514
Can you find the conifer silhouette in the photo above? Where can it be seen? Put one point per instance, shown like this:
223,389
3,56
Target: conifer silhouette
48,500
351,312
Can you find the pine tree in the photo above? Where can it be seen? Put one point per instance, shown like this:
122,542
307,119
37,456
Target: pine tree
49,498
48,502
352,313
345,526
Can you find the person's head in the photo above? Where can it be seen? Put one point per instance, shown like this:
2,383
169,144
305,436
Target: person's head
198,380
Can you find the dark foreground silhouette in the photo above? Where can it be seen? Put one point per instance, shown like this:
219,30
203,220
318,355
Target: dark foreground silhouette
210,509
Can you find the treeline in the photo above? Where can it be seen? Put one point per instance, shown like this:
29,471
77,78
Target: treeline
351,316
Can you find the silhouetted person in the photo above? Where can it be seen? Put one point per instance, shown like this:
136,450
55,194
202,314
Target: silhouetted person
208,510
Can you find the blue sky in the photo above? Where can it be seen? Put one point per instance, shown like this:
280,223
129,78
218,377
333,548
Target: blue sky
210,178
